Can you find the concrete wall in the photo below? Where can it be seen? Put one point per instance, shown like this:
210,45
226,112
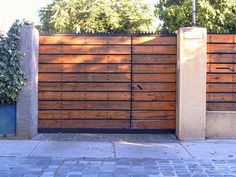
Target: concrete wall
221,124
27,106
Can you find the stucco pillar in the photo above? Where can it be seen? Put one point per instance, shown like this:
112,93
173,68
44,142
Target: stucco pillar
27,106
191,83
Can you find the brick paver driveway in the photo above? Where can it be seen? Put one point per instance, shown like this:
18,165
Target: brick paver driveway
95,167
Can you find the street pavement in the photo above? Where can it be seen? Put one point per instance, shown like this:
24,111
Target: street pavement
70,155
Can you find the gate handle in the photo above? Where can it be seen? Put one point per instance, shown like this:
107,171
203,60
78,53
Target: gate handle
141,88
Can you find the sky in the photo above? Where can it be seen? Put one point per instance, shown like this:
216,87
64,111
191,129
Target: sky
10,10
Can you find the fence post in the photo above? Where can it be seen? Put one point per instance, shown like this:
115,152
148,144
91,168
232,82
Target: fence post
191,83
27,106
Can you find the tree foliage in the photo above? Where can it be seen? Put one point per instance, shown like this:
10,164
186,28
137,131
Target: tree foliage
99,16
12,77
215,15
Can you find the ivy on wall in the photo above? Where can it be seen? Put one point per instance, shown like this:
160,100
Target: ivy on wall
12,77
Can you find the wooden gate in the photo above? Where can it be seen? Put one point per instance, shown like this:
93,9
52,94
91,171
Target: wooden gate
107,82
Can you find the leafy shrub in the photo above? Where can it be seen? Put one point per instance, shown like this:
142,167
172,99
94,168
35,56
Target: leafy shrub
12,77
97,16
218,16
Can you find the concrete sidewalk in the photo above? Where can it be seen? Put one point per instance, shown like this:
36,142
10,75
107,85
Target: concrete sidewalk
97,155
209,149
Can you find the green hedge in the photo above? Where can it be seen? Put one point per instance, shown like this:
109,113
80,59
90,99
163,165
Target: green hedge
12,77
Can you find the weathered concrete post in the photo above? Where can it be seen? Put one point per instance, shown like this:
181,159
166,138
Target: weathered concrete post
191,83
27,106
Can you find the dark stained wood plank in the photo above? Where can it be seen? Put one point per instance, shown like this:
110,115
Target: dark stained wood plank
123,96
83,114
142,68
221,106
153,124
158,59
76,39
166,106
83,124
220,77
84,77
153,115
154,49
154,77
84,58
85,49
221,68
94,86
221,88
113,68
50,105
221,97
140,87
153,40
221,38
221,58
221,48
154,96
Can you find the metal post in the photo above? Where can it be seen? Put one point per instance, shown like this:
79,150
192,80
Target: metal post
193,12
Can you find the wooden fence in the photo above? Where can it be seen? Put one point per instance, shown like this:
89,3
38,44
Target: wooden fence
123,81
221,74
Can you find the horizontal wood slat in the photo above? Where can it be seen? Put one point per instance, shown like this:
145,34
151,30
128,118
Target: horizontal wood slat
98,87
59,39
154,96
84,77
157,59
218,38
155,87
50,105
85,49
221,58
123,96
153,115
221,106
60,59
221,97
154,40
166,106
221,78
154,50
92,68
221,48
221,88
154,77
142,68
83,114
221,68
150,124
84,124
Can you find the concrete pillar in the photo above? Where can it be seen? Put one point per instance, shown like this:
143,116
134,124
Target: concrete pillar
27,106
191,83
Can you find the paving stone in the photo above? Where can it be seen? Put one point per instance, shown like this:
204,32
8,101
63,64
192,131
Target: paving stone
154,175
139,175
112,167
31,175
105,174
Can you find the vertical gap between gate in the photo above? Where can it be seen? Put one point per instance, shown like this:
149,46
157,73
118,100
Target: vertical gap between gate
131,83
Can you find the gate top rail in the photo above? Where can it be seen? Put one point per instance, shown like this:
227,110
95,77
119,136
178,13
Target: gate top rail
110,34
